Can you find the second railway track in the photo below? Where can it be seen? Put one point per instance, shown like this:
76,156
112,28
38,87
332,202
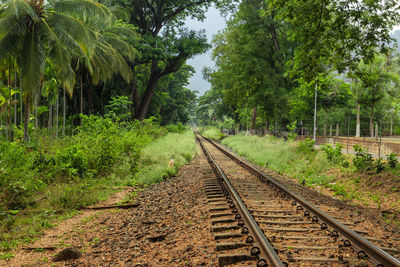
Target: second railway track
258,221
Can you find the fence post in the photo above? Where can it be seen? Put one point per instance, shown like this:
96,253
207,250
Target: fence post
380,140
376,131
330,130
337,130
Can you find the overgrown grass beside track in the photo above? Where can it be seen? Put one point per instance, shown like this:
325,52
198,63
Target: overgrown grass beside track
50,178
163,157
211,132
281,156
339,178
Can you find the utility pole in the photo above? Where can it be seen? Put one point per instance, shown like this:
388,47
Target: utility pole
315,112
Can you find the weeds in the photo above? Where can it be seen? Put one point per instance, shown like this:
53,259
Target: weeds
333,154
392,160
298,160
306,146
212,133
363,160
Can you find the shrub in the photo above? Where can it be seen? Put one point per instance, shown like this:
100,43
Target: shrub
291,128
392,160
176,128
306,146
363,160
379,166
333,154
212,133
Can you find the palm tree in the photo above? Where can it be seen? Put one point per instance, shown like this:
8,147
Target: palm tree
113,49
32,30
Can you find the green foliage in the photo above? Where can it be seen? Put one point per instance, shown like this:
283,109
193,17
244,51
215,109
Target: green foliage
162,158
212,132
392,160
306,146
97,146
282,157
291,128
379,166
333,154
176,128
118,108
363,160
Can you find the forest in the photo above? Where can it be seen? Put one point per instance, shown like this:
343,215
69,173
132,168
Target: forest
93,94
276,56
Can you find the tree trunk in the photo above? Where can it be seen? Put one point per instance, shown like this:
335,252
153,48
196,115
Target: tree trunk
81,98
325,129
50,120
376,131
148,94
330,130
57,114
358,120
253,121
266,126
337,129
150,89
15,97
64,111
135,98
371,122
391,123
36,118
20,98
26,120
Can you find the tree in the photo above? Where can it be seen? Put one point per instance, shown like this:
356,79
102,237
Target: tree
165,43
377,79
33,30
250,56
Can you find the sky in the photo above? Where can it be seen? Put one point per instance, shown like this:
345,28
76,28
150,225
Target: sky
212,24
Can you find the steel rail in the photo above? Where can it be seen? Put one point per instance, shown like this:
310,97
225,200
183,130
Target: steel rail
266,249
363,247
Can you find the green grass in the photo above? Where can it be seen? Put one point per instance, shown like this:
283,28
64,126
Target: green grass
282,157
157,161
212,132
163,157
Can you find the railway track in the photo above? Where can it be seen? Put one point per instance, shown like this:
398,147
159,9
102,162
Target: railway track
258,221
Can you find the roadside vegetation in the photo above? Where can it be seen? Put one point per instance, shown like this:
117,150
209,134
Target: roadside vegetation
212,132
359,179
51,178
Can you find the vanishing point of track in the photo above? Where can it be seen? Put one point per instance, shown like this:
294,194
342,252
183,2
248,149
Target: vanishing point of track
258,221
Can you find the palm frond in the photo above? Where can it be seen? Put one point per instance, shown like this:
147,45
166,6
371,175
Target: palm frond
32,62
121,13
88,11
60,57
123,47
13,17
8,44
72,31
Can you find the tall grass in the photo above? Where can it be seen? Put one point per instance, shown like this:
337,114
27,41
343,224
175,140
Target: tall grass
282,157
212,132
163,157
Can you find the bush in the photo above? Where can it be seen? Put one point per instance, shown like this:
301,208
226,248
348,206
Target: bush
333,154
392,160
379,166
363,160
306,146
212,133
176,128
